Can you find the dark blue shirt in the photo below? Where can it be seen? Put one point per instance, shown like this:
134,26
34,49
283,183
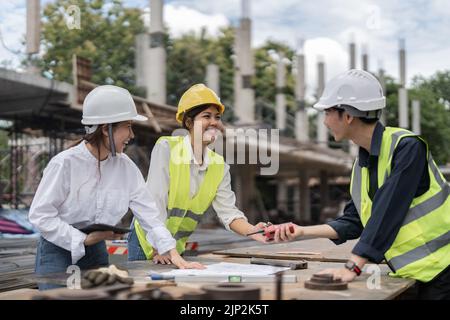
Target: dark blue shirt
408,179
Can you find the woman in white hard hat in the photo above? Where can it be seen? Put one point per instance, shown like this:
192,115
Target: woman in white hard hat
186,177
94,182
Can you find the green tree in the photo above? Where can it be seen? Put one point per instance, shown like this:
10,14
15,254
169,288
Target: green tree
433,95
187,58
106,37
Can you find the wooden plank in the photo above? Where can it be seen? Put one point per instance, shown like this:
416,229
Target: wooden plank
313,250
151,118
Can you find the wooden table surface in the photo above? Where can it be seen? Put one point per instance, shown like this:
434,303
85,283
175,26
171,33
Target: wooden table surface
357,290
330,254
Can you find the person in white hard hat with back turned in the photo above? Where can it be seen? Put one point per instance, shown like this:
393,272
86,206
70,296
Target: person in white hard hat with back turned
94,182
400,201
186,177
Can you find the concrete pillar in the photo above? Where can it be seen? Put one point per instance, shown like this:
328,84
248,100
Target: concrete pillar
305,199
402,62
322,133
156,80
301,116
142,43
280,97
245,96
416,128
33,26
365,58
247,99
213,77
352,53
282,195
403,114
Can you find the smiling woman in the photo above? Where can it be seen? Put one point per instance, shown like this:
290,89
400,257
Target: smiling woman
74,193
186,177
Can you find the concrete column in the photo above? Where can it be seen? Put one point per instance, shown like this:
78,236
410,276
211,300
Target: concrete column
301,116
213,77
403,114
365,58
156,80
305,199
416,128
280,98
142,43
33,26
402,62
245,110
322,133
352,53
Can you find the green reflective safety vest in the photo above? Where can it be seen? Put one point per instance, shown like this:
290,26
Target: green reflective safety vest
421,249
184,213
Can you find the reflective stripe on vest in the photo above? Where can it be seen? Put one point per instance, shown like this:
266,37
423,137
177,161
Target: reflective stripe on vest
421,248
183,212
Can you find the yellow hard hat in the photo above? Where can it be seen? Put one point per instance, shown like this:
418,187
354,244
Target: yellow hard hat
195,96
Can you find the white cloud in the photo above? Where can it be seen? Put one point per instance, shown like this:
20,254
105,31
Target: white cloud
12,26
326,24
331,53
181,19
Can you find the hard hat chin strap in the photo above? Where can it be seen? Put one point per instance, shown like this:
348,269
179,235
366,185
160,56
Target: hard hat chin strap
373,114
112,145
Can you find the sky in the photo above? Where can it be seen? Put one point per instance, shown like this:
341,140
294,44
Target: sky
326,25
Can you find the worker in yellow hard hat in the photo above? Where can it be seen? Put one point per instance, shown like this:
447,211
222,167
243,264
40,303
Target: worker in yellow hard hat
186,183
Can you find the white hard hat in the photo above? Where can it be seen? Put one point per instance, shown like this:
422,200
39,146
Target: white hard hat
109,104
356,88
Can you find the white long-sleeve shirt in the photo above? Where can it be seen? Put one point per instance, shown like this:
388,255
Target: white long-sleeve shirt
158,181
74,192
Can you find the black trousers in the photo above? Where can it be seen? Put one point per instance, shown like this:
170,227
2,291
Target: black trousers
436,289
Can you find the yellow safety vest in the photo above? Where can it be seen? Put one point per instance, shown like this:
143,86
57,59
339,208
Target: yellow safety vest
183,212
421,249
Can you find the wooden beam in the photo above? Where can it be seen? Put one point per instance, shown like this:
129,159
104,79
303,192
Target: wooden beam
151,117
